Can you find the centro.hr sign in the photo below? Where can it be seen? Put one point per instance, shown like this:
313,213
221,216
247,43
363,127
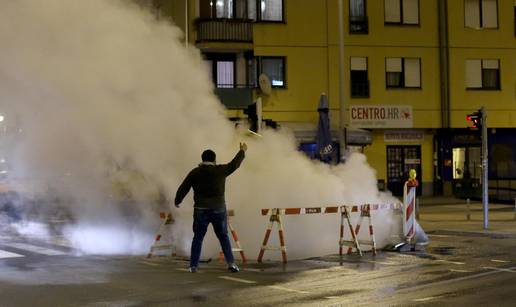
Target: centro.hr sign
381,116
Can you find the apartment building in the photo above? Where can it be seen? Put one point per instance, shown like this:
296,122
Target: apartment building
413,70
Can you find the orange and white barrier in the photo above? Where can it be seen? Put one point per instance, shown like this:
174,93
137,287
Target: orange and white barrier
167,221
365,211
234,235
275,217
345,211
409,209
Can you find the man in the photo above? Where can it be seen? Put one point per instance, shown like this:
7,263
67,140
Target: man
208,181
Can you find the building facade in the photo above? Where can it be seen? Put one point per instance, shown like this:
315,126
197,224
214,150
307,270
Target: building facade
413,70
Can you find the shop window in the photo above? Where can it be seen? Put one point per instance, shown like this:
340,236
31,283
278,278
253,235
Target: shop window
481,14
274,68
404,12
359,80
483,74
403,72
357,17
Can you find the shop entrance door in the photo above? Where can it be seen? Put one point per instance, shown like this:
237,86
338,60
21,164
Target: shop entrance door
400,159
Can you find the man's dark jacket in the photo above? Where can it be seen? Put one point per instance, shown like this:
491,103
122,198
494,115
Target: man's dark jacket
208,181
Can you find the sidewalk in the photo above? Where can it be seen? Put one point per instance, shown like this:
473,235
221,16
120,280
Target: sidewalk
441,214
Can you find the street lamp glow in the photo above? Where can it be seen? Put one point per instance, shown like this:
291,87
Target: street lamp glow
2,118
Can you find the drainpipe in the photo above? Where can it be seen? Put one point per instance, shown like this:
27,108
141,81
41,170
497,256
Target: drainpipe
444,63
186,23
342,127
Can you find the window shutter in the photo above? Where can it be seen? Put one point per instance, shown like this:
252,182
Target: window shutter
473,74
471,14
358,63
411,12
490,64
392,10
393,64
489,14
412,73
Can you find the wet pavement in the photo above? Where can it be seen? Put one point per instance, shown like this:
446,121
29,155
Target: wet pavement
462,266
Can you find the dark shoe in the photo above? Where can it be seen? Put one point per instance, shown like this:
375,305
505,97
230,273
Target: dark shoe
192,269
233,268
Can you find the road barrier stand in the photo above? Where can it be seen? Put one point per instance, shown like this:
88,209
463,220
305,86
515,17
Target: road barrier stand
409,203
168,220
275,218
345,220
238,247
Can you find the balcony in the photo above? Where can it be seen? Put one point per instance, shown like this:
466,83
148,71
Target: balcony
237,97
358,25
224,30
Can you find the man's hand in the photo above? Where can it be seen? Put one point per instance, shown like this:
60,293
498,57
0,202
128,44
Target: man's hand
243,146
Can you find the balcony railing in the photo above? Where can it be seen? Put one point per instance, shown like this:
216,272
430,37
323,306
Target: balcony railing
224,30
358,24
360,89
235,96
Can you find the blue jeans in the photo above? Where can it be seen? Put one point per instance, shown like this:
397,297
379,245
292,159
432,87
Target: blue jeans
219,220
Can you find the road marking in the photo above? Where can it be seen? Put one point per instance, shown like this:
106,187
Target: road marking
252,270
426,299
332,297
149,263
380,262
183,270
36,249
499,269
439,236
460,271
245,281
6,254
288,289
452,262
501,261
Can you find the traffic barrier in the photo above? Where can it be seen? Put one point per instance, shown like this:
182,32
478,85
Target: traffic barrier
274,218
167,221
409,206
276,213
234,235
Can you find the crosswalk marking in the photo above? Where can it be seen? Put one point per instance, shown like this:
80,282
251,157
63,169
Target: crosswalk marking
36,249
6,254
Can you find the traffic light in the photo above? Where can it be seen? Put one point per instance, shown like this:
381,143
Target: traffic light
476,119
252,117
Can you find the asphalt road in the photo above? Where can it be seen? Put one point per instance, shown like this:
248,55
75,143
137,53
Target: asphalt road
458,269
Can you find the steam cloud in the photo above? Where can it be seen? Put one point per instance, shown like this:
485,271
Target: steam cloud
98,92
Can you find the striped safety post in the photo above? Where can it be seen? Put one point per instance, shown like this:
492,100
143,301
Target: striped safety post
167,221
234,235
409,208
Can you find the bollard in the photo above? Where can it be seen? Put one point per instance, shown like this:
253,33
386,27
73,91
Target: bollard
515,208
468,212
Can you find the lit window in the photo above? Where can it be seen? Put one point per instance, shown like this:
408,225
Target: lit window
274,68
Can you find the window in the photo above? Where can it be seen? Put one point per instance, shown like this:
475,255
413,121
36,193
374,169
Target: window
227,9
403,72
359,81
483,74
358,17
481,14
268,10
402,12
223,68
274,68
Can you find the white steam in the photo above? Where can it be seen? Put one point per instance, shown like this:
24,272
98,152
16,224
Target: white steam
98,86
